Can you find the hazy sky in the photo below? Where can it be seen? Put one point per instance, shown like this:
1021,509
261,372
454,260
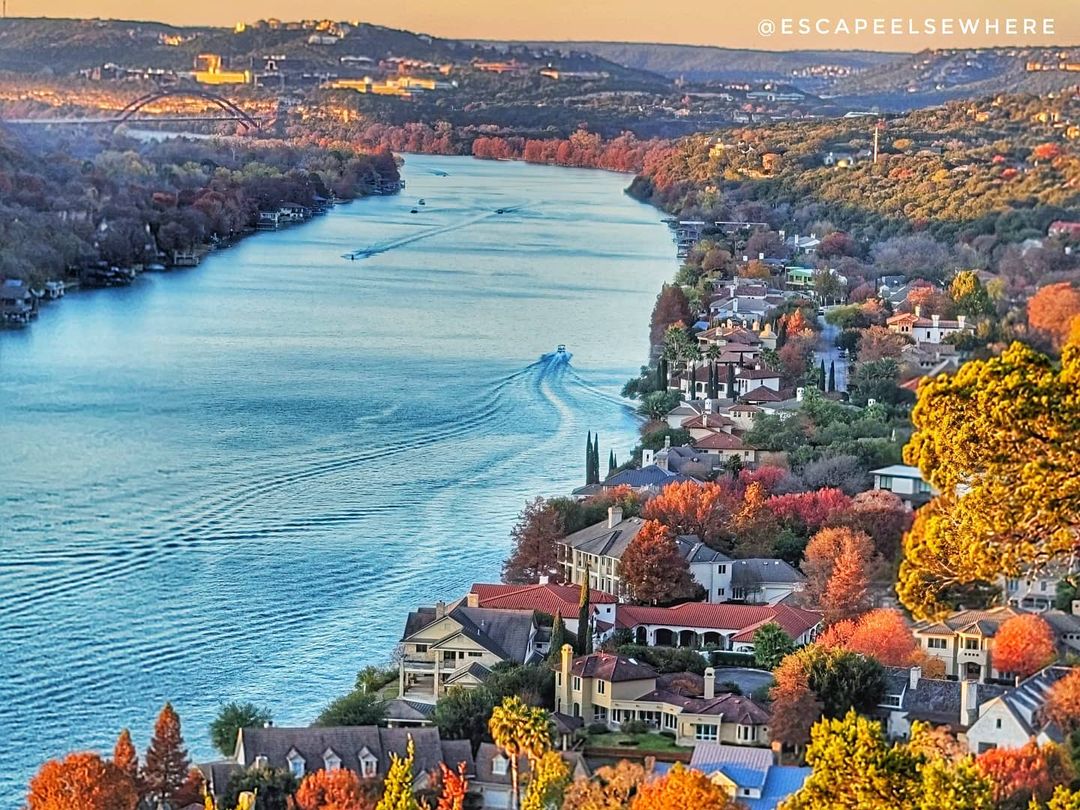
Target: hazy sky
732,24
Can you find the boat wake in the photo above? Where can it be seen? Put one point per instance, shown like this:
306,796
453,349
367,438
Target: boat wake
383,247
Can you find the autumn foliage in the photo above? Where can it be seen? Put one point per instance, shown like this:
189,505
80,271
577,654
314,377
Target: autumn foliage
882,633
81,782
1063,703
1023,645
166,767
340,789
1022,774
837,567
682,787
1052,309
653,568
810,510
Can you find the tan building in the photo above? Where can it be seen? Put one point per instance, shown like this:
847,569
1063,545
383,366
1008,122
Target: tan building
613,689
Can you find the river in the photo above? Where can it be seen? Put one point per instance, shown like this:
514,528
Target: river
233,481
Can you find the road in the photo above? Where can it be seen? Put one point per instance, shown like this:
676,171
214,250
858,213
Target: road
826,350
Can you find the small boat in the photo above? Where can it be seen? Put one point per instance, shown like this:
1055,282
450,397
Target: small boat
421,202
500,210
415,211
561,348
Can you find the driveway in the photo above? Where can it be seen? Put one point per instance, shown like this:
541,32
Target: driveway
826,350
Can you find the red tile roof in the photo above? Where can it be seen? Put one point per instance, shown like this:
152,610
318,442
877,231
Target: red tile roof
704,616
720,441
545,598
707,420
763,394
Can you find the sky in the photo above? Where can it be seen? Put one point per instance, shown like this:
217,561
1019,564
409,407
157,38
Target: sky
758,25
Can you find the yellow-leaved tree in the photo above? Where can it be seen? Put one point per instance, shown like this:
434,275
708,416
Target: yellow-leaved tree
1000,439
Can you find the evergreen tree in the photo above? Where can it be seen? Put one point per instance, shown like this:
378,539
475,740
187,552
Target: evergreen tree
832,375
731,381
781,334
821,376
611,465
714,382
167,763
584,637
558,638
596,459
588,459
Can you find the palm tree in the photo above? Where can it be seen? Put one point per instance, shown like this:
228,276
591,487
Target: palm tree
519,729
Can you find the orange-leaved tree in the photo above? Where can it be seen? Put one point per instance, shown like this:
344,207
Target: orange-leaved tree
81,782
881,633
1053,308
1021,775
339,789
125,757
455,787
166,766
1023,645
837,567
683,788
653,568
1063,702
707,510
795,707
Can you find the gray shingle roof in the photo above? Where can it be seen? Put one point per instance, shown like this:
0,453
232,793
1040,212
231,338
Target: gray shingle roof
758,570
505,633
933,699
612,541
349,743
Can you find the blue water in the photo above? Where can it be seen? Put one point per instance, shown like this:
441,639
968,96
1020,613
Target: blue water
233,481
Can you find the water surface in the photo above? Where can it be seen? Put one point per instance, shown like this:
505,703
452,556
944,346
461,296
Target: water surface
232,482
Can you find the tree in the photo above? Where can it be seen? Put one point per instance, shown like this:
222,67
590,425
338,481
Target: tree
539,527
584,628
81,782
398,784
126,758
166,766
969,296
832,376
357,708
682,787
612,787
1022,775
881,633
707,510
879,343
840,680
454,787
1023,645
655,405
652,567
1063,702
1007,430
771,646
837,568
332,790
462,714
880,514
519,730
672,307
558,638
795,708
232,717
809,511
1064,799
1052,309
548,777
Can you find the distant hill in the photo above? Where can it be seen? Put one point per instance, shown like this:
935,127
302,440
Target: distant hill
707,64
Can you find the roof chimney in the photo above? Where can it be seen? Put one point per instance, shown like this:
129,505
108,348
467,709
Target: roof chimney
799,394
543,579
710,683
440,609
761,257
960,319
667,442
918,311
913,677
473,600
614,516
969,702
935,318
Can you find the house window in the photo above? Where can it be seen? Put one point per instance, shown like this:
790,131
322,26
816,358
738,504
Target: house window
884,482
1042,585
971,644
671,722
421,648
558,679
738,593
476,655
745,733
721,569
719,591
997,723
601,687
261,762
936,644
296,766
599,714
499,765
922,487
577,684
331,762
705,733
892,701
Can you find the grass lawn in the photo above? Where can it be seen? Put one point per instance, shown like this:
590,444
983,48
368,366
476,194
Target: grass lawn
650,741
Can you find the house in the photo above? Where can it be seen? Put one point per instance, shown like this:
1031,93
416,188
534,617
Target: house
1037,591
492,777
685,460
726,446
401,713
363,749
926,330
750,775
751,378
905,482
17,303
442,648
722,626
597,550
1064,230
651,478
613,689
937,701
1013,718
546,597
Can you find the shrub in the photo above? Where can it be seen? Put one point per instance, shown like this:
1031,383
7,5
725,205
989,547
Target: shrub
598,728
633,727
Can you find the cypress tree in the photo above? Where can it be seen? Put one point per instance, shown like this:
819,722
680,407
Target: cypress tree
611,465
661,384
584,615
832,375
731,381
588,459
781,334
821,376
558,637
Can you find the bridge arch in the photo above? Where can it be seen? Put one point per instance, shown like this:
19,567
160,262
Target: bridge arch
245,119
